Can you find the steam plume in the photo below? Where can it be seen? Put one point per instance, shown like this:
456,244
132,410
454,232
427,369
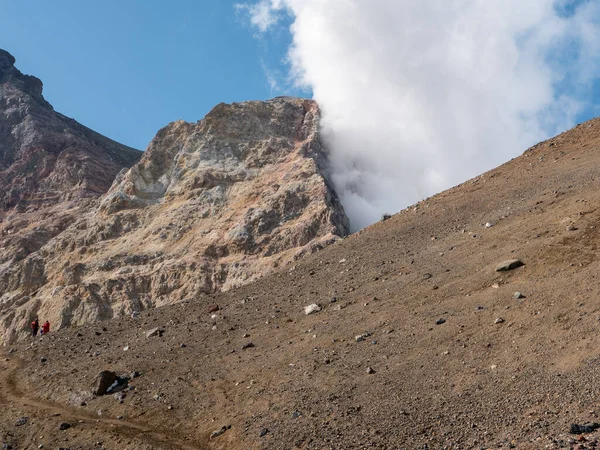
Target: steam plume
419,95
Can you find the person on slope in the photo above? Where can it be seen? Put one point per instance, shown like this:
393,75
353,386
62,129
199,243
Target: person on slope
35,326
46,327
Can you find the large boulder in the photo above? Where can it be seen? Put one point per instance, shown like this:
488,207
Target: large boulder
510,264
103,381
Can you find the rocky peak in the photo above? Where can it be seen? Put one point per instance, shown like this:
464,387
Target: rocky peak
235,140
26,84
210,206
46,157
7,60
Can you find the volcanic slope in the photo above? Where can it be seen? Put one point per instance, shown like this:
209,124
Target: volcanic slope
424,346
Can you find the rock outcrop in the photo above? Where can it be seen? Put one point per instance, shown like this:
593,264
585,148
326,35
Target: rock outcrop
210,206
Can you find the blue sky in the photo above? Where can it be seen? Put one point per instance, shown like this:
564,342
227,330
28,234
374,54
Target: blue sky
128,68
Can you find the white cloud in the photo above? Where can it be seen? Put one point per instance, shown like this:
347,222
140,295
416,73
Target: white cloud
418,95
273,78
263,14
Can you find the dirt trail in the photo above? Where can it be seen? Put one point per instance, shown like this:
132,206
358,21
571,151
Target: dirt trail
10,393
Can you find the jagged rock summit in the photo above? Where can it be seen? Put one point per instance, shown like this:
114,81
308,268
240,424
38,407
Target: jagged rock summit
210,206
50,165
46,157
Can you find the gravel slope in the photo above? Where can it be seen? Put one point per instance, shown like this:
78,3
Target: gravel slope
466,383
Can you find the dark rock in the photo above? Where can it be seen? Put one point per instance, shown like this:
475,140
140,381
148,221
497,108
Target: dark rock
440,321
212,309
21,421
6,60
509,265
370,370
43,360
104,380
586,428
248,345
220,431
65,426
263,432
362,337
427,276
385,216
134,374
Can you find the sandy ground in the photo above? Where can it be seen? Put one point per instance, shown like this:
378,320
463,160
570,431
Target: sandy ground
307,382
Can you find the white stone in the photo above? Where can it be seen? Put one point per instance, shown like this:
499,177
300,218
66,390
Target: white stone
311,309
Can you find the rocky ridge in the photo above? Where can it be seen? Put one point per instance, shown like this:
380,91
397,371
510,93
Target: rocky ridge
51,167
211,205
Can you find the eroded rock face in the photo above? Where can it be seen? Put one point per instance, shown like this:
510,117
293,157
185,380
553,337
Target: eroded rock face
45,157
211,205
52,170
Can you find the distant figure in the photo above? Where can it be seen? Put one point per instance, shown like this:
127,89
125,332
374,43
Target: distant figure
35,326
46,327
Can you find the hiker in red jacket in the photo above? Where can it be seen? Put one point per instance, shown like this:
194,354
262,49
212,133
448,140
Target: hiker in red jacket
46,327
35,326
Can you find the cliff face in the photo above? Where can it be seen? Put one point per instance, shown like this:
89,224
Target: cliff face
210,206
50,165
